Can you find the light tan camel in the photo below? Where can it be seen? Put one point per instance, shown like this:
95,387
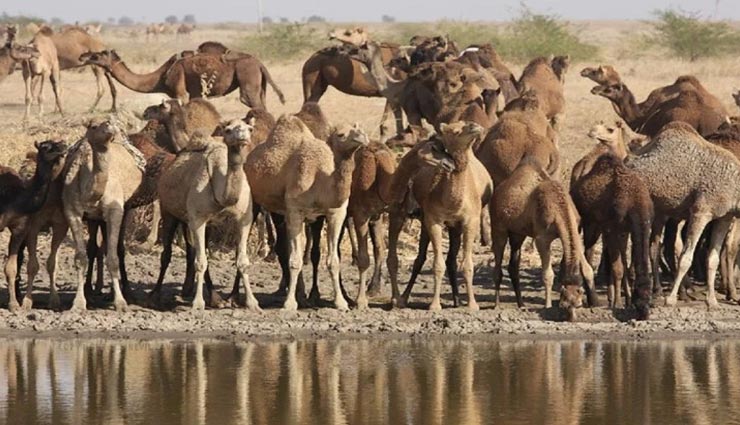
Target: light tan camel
104,172
201,75
214,177
300,177
529,203
183,120
38,69
11,53
546,78
357,36
690,178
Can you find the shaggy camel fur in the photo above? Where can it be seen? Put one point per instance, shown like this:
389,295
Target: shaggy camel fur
183,120
71,43
301,178
19,200
215,181
38,69
201,75
546,78
522,131
614,201
690,107
487,57
12,53
530,204
453,200
103,175
702,189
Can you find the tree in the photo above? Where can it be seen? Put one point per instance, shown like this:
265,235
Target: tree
189,19
284,20
125,20
172,19
267,20
315,19
689,37
387,18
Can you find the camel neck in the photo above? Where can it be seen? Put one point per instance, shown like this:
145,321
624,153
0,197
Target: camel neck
142,83
7,63
626,107
35,196
344,167
407,168
386,85
227,182
99,180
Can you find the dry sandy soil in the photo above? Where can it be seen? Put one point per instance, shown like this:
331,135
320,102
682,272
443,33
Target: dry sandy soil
584,110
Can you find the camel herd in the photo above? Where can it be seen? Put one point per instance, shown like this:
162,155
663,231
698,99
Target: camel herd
480,162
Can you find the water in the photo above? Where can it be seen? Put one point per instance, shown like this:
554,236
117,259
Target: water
429,381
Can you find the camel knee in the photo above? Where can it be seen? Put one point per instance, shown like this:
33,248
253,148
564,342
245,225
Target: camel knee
111,262
201,264
363,260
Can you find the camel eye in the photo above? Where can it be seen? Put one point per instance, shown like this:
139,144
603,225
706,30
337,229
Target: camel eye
341,135
611,130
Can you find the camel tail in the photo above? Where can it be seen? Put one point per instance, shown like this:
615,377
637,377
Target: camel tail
268,78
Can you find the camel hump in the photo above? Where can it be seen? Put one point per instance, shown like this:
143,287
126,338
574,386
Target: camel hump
677,128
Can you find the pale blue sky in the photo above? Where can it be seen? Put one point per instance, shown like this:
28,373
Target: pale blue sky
357,11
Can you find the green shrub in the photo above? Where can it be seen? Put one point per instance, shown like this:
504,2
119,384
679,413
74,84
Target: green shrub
284,42
19,20
689,37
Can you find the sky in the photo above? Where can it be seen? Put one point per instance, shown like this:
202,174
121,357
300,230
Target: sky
356,11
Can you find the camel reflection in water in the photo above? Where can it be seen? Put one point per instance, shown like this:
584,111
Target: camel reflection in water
431,381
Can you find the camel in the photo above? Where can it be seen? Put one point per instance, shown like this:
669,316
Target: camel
301,178
185,29
736,97
531,204
546,78
702,189
487,57
183,120
215,181
104,173
201,75
12,53
603,75
453,200
352,36
690,107
37,69
20,199
154,30
618,140
614,201
522,131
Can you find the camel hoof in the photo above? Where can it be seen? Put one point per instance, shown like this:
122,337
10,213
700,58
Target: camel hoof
27,303
253,306
362,304
712,303
79,305
671,301
121,306
54,302
13,306
290,305
435,306
473,307
340,304
373,290
199,305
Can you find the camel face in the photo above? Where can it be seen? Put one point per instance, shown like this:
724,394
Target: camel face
237,133
347,139
571,298
105,58
100,133
604,75
20,52
613,92
460,135
606,134
351,36
50,150
433,153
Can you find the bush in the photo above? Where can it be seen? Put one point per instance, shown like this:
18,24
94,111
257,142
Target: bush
387,18
125,20
531,35
19,20
687,36
284,41
189,19
172,19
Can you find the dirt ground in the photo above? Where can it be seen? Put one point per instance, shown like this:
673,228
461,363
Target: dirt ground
583,110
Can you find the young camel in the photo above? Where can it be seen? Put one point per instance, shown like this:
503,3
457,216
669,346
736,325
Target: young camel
546,78
614,201
12,53
38,69
213,174
531,204
302,178
104,173
702,189
19,199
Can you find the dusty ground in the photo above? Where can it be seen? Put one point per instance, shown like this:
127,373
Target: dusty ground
584,110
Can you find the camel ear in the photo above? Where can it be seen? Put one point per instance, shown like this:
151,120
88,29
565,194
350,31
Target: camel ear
252,122
36,144
619,124
360,30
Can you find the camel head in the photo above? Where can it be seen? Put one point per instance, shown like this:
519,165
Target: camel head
20,52
100,132
618,138
408,138
237,133
10,32
50,151
433,153
346,139
571,296
527,101
736,96
613,92
560,65
604,75
350,36
105,59
160,112
460,136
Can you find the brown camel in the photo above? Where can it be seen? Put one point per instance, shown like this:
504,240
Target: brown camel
531,204
12,53
546,78
454,200
301,178
487,57
20,199
357,36
603,75
104,173
736,97
703,188
690,107
215,181
185,29
37,69
617,140
202,75
183,120
615,202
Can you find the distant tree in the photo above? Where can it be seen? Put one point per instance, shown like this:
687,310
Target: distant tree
387,18
267,20
189,19
125,20
315,19
688,36
56,21
284,20
172,19
111,20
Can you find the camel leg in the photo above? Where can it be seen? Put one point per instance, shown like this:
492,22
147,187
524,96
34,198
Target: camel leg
468,239
334,224
352,238
74,218
113,220
32,268
377,238
54,79
296,237
655,249
499,237
58,234
11,267
121,251
98,73
454,236
421,258
398,115
435,236
612,245
485,227
113,91
543,248
197,230
588,280
169,228
153,235
396,218
696,225
242,262
40,95
515,258
719,233
730,249
313,238
362,228
27,80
